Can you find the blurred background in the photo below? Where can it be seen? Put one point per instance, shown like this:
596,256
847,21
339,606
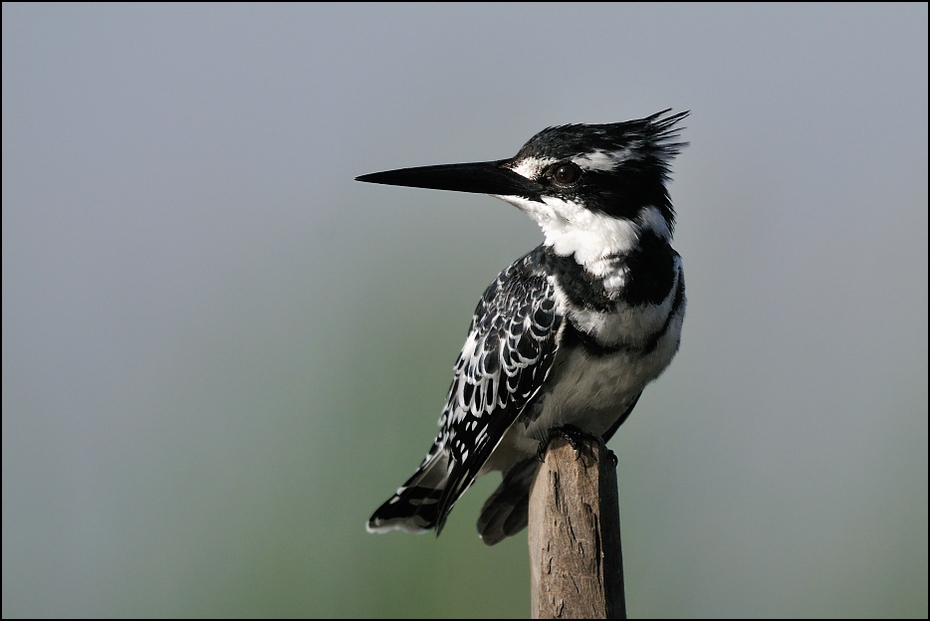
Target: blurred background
221,354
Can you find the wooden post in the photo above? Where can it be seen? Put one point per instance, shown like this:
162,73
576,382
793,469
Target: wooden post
576,565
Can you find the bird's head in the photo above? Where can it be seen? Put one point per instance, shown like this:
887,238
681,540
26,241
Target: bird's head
593,189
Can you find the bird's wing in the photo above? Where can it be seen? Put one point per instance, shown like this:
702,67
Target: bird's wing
506,358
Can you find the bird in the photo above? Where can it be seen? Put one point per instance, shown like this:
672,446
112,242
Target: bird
566,338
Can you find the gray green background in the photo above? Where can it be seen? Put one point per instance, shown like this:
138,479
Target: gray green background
220,353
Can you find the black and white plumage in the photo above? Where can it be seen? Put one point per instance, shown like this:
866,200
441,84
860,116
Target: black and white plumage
570,334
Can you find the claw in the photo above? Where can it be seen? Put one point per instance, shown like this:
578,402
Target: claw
574,436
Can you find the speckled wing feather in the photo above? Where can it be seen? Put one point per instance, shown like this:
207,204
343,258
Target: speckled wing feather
508,354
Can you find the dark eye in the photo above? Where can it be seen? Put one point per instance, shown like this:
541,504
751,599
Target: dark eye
566,174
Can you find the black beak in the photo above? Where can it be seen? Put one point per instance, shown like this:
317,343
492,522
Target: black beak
478,178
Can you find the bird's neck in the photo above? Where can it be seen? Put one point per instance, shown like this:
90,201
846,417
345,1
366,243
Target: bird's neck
600,243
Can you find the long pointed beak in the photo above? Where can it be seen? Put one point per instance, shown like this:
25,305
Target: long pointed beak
478,178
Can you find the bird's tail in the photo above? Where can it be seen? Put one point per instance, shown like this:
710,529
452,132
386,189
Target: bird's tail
505,513
415,506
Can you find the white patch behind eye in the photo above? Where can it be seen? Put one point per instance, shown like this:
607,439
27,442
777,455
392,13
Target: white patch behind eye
602,160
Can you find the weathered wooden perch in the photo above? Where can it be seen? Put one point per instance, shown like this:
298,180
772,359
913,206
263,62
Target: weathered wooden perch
576,565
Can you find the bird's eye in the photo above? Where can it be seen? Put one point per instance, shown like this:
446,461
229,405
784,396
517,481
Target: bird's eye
566,174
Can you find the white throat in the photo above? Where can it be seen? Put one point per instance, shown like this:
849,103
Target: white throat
595,239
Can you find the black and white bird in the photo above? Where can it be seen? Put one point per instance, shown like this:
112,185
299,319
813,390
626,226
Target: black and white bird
566,338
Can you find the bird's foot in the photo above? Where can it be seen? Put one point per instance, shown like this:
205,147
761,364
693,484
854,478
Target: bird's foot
573,435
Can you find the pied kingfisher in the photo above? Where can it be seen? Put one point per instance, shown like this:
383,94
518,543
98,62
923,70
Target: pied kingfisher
566,338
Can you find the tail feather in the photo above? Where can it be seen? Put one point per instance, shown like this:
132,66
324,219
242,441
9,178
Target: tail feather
414,508
506,512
